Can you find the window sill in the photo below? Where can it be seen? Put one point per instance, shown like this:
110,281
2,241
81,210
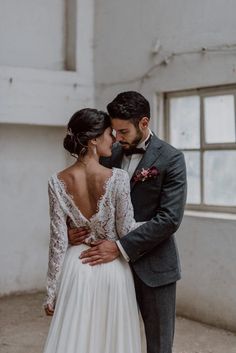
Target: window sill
215,215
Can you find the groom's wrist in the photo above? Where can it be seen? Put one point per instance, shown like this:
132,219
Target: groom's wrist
122,251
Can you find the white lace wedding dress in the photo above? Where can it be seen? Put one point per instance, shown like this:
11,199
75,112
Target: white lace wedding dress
96,310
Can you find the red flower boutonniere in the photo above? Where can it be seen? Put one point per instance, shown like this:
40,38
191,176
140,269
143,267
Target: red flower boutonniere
144,174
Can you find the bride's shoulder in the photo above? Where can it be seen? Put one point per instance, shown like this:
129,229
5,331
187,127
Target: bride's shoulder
52,181
121,174
60,176
56,177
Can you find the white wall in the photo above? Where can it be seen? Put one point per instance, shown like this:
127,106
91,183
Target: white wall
37,98
34,88
208,286
126,32
42,97
28,43
29,156
125,35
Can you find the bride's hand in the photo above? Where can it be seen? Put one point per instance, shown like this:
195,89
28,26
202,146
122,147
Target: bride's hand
49,310
77,236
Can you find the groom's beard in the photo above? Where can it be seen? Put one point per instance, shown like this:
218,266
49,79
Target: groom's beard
135,142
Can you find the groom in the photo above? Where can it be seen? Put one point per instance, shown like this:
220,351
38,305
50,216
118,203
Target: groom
158,192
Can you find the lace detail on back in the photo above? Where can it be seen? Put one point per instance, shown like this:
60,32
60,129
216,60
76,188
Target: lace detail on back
113,219
100,200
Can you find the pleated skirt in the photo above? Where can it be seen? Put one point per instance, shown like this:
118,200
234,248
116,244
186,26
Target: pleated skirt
96,309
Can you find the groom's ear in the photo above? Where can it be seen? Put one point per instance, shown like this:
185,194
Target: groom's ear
143,123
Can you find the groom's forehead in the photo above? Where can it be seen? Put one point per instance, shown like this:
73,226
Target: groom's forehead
120,124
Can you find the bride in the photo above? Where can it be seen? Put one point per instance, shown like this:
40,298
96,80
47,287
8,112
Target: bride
94,307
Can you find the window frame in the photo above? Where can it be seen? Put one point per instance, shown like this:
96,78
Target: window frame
204,146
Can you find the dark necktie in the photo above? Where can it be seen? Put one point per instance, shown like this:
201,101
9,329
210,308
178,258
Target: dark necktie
134,150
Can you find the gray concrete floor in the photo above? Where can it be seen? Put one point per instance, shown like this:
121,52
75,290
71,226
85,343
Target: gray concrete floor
23,329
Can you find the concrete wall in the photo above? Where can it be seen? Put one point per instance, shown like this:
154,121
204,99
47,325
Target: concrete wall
29,156
207,290
28,43
126,34
37,97
37,89
126,37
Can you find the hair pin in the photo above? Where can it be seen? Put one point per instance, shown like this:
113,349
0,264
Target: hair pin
69,132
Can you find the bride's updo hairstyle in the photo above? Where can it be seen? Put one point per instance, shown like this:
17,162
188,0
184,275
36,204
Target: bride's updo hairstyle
84,125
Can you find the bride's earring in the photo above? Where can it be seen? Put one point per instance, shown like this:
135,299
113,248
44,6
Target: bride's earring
93,147
95,150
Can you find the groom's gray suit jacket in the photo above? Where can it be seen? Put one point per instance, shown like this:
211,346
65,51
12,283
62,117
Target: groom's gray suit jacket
160,201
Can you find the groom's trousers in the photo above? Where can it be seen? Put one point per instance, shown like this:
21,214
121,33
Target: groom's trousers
157,306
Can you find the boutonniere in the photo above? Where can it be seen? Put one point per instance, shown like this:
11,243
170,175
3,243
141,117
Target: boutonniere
144,174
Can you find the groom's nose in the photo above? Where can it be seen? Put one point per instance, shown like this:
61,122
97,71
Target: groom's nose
118,137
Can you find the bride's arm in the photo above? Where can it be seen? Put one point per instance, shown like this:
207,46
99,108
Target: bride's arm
125,221
57,246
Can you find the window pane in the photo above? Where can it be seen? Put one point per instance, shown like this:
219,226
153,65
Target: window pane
219,178
193,176
185,122
219,119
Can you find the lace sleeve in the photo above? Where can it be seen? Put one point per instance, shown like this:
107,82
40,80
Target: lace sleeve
125,221
57,246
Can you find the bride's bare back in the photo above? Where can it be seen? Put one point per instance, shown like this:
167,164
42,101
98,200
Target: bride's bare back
86,186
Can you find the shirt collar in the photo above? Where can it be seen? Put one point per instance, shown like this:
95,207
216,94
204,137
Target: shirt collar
143,143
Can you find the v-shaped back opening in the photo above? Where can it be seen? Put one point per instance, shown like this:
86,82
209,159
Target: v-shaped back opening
100,200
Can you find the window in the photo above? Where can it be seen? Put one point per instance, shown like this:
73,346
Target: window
202,123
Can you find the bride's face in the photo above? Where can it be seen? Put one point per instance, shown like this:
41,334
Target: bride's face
105,142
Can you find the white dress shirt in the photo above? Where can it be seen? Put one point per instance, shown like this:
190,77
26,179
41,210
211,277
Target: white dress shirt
130,163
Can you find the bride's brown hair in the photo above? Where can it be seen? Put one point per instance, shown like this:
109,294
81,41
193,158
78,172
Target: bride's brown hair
84,125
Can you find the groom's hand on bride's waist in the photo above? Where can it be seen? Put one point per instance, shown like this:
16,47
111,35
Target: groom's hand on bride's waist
101,251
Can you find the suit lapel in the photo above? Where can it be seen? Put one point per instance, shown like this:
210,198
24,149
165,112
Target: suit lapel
150,156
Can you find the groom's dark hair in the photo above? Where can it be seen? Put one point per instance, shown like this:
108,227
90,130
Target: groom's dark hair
129,105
